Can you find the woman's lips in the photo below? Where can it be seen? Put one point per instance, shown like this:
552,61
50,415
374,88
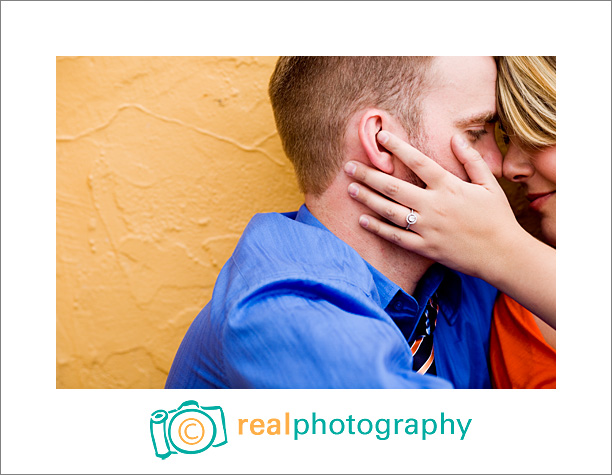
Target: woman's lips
538,199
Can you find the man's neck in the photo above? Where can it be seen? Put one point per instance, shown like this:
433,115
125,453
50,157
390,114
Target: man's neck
340,214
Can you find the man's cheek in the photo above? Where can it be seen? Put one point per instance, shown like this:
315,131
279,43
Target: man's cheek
444,156
453,165
408,175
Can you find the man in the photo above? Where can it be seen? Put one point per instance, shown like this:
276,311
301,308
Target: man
309,299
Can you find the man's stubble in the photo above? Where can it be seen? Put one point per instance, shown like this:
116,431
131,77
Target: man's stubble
419,141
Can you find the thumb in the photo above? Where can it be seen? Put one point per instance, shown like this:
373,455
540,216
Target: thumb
475,166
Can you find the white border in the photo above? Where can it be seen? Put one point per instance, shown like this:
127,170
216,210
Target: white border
68,431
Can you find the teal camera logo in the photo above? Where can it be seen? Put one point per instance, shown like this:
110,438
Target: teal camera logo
189,429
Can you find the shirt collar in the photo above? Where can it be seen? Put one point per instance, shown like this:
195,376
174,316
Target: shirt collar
304,215
392,298
437,278
447,284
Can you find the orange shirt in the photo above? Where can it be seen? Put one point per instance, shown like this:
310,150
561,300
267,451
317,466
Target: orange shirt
520,357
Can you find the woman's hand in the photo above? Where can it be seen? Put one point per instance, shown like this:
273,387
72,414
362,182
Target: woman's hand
468,227
465,226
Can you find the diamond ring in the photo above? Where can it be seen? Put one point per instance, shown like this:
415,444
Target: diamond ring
411,218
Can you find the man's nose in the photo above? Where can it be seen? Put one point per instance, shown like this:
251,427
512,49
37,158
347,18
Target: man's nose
516,165
493,158
491,155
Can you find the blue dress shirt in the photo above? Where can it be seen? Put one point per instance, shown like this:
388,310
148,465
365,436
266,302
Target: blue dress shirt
296,307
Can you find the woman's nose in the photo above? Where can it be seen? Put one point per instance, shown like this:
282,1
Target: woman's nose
516,165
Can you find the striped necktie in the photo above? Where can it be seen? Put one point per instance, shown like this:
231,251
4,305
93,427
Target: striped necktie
422,345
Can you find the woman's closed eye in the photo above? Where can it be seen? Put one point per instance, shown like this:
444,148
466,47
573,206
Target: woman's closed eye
477,134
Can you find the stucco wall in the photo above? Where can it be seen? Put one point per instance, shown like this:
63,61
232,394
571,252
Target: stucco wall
161,162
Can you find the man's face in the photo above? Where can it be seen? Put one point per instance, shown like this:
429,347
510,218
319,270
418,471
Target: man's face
461,101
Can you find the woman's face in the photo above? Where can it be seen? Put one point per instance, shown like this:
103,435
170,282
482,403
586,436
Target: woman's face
537,169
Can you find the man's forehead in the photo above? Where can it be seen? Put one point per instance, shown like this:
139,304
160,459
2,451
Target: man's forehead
465,67
471,75
463,90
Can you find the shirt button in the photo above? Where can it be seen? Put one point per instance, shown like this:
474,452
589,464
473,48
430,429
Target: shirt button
398,305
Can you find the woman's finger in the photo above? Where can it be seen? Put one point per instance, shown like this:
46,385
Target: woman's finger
475,166
390,186
394,212
423,166
406,239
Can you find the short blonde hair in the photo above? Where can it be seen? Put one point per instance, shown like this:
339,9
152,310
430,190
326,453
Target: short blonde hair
313,98
527,99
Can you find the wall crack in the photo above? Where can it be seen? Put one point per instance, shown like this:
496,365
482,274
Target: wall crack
170,120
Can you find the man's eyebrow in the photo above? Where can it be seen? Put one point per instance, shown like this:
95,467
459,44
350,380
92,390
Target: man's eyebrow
480,118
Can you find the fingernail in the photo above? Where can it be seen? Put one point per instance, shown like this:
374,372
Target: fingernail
462,142
363,221
350,168
353,190
383,137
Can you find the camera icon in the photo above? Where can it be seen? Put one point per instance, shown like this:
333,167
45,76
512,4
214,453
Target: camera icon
189,429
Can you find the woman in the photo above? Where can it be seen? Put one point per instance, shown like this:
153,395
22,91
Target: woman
471,228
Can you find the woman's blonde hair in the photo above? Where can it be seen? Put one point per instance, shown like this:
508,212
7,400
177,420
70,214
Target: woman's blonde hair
527,99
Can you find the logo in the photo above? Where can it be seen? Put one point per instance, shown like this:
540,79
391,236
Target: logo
189,429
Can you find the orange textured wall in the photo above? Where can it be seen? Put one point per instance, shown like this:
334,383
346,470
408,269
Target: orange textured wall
161,162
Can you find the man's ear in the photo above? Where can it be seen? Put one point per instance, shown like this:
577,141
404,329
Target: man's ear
370,124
